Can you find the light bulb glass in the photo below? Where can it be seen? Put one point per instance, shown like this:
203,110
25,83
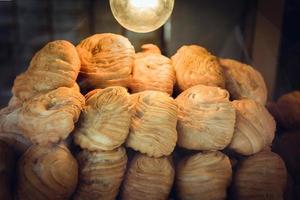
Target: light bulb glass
141,15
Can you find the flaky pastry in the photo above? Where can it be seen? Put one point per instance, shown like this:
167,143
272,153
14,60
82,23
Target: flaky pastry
152,71
105,121
153,126
148,178
56,65
106,60
194,65
206,118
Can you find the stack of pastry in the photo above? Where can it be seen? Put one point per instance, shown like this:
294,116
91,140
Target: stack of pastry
220,109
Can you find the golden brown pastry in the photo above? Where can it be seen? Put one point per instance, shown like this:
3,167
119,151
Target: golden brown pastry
101,174
47,173
287,110
152,71
50,117
254,127
106,60
205,118
153,126
7,165
56,65
46,118
204,176
261,176
243,81
148,178
105,121
194,65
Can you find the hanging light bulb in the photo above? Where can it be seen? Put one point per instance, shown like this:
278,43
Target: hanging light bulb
141,15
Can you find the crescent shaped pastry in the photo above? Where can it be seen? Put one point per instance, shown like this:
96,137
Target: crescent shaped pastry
153,126
50,117
7,165
254,127
47,173
204,176
287,110
194,65
152,71
56,65
106,60
261,176
206,118
105,120
101,174
243,81
148,178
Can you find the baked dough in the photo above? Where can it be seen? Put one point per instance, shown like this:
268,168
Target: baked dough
287,110
206,118
204,176
153,126
101,174
243,81
148,178
106,60
105,120
56,65
47,173
152,71
194,65
261,176
254,127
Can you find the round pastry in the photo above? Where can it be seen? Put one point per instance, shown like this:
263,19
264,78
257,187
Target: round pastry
47,173
205,118
101,174
152,71
148,178
243,81
106,60
105,120
204,175
153,126
50,117
261,176
56,65
287,110
254,127
194,65
7,165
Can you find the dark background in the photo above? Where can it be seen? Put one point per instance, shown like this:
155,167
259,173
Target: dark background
262,33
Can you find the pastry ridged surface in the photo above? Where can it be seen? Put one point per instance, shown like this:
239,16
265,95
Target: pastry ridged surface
56,65
50,117
47,173
148,178
101,174
105,120
153,126
204,176
194,65
106,60
254,127
152,71
261,176
243,81
206,118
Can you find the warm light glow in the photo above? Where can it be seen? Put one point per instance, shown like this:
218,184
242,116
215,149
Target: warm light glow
142,15
144,3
